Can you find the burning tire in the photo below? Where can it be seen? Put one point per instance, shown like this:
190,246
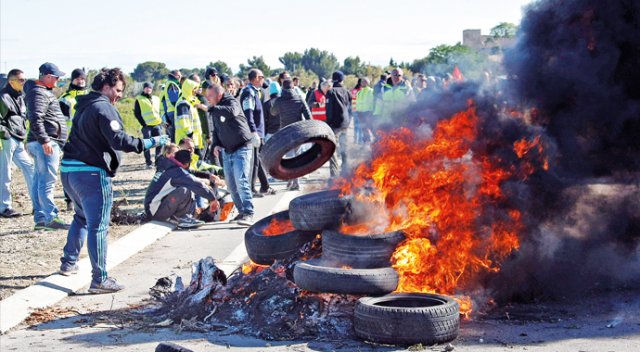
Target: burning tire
317,276
360,251
264,249
291,137
318,211
407,318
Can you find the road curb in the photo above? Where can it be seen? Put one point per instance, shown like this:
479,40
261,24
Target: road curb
17,307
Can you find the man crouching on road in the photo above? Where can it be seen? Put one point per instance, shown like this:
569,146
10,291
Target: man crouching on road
91,158
171,193
231,135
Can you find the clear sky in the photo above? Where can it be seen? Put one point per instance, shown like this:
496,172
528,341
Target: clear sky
192,33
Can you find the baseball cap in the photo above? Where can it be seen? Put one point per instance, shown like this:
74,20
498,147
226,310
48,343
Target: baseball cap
50,69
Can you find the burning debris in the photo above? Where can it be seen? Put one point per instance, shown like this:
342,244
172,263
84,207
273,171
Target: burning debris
262,301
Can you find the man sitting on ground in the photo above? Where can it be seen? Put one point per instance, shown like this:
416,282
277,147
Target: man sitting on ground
171,193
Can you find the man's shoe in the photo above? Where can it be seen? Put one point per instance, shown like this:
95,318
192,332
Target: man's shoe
269,191
56,224
245,220
188,222
107,286
39,226
10,213
258,195
68,269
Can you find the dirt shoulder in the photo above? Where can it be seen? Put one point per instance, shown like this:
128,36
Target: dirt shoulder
27,256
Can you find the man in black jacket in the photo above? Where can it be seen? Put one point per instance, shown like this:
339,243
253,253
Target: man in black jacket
47,135
231,134
91,159
171,193
291,108
338,118
13,131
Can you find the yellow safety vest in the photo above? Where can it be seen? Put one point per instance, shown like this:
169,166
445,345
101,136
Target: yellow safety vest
150,110
394,99
69,98
186,124
165,94
365,99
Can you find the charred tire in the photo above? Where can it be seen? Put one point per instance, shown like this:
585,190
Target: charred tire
318,211
292,136
407,318
266,249
314,275
360,251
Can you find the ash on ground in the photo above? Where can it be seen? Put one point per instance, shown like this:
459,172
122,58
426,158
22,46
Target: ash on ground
264,303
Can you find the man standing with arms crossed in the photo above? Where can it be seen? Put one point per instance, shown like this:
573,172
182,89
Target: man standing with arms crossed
251,101
13,131
91,159
47,135
147,112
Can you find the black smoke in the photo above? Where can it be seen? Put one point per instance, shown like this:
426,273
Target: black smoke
578,63
575,70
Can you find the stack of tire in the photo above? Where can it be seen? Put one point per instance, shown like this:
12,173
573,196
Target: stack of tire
350,264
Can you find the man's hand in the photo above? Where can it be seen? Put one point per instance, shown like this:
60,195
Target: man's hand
255,140
216,151
217,181
47,148
214,205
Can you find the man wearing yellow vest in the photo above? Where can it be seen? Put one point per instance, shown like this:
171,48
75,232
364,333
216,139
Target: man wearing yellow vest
396,96
187,120
147,111
170,96
365,109
77,87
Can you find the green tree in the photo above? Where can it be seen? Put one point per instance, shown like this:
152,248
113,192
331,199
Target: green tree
392,63
150,71
254,62
291,61
221,67
320,62
504,30
353,66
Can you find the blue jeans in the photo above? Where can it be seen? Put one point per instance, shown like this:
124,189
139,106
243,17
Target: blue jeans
148,132
91,192
341,149
13,149
44,181
237,175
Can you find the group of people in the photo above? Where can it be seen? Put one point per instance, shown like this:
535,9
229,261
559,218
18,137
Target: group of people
211,132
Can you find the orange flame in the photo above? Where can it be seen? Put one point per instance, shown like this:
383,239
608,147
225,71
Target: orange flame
438,191
251,267
278,227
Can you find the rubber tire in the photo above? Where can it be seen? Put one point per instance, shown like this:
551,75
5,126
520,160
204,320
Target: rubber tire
376,321
291,137
314,275
360,251
318,211
265,250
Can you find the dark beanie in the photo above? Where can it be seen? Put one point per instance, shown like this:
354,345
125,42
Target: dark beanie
337,76
78,72
183,156
147,85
